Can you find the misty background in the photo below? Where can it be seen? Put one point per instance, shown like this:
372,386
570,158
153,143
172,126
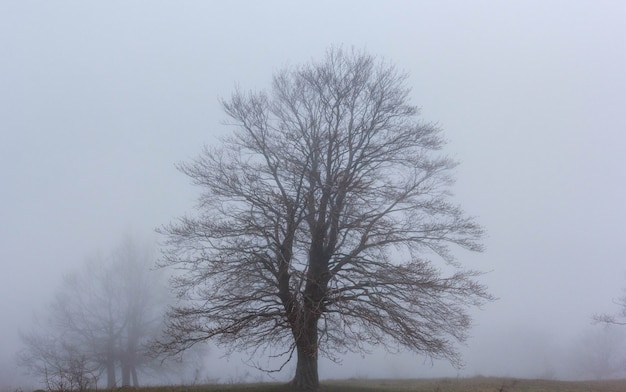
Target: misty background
99,101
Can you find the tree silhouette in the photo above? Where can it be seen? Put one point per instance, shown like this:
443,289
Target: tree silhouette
321,222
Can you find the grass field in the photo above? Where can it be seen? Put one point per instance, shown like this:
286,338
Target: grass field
476,384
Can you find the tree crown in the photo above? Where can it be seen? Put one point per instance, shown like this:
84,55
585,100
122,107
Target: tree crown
330,201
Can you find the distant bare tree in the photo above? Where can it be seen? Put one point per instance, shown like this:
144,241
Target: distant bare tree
618,318
103,317
600,353
321,222
608,351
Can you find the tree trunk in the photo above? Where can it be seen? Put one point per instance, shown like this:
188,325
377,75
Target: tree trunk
307,377
125,372
133,371
110,368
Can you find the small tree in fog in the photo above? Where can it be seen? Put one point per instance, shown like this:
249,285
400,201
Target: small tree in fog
321,223
103,317
610,349
599,353
617,318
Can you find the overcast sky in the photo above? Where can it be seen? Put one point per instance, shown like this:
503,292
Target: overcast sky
99,100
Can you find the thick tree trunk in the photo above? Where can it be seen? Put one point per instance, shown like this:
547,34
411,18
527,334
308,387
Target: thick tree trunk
304,323
307,377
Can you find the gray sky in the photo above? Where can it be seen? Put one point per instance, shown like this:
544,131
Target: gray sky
99,100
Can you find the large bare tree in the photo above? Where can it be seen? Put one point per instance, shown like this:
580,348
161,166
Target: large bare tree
324,224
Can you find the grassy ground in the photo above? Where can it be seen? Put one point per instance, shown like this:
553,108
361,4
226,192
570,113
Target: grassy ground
476,384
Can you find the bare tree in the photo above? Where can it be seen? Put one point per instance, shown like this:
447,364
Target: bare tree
599,352
102,317
618,318
321,223
607,351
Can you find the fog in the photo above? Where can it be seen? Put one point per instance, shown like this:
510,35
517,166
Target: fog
100,100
